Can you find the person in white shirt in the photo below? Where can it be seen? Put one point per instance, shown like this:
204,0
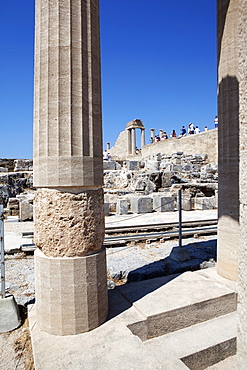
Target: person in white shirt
105,155
197,130
216,121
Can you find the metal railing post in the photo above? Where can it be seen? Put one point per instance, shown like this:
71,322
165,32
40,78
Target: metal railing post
180,218
2,251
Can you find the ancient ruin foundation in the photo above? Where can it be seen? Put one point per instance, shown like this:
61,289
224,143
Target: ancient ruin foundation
71,290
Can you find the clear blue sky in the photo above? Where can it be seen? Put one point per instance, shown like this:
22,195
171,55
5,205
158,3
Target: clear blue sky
158,65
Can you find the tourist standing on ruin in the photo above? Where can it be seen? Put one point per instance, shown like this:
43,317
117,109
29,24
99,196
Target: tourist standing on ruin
105,155
183,131
216,122
197,130
173,134
191,128
164,136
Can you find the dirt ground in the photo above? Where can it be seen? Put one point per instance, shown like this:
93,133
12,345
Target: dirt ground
16,347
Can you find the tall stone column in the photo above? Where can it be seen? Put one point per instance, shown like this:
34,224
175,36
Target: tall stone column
71,289
133,138
228,139
142,137
242,291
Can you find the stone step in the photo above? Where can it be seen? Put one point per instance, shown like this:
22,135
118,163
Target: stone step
199,346
230,363
171,303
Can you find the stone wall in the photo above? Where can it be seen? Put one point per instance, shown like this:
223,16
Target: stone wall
120,148
205,142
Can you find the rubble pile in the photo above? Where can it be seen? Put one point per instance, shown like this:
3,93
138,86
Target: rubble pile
161,174
145,185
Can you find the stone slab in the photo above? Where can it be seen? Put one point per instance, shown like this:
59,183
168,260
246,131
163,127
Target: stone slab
113,346
9,314
166,292
201,345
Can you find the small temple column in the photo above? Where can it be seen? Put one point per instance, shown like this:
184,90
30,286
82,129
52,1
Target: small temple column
70,263
133,141
108,146
161,133
129,138
152,134
142,137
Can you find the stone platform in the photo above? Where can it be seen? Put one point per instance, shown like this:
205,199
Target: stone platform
176,322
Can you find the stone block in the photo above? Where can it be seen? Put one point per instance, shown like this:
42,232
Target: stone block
203,203
71,293
186,203
163,203
26,210
141,204
153,165
122,206
109,165
9,314
3,169
107,209
133,165
164,164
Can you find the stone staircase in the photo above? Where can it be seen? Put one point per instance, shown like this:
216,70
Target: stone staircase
191,318
178,322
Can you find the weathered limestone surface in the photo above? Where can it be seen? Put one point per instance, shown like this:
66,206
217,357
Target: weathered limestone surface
75,299
242,306
205,142
69,224
228,102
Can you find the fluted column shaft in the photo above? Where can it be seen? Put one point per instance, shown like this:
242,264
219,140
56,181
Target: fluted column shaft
68,168
67,101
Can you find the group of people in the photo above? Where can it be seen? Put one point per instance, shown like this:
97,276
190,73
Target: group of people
191,131
163,136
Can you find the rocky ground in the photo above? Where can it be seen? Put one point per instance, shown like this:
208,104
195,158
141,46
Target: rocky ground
128,263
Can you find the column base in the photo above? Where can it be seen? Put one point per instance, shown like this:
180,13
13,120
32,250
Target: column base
71,293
